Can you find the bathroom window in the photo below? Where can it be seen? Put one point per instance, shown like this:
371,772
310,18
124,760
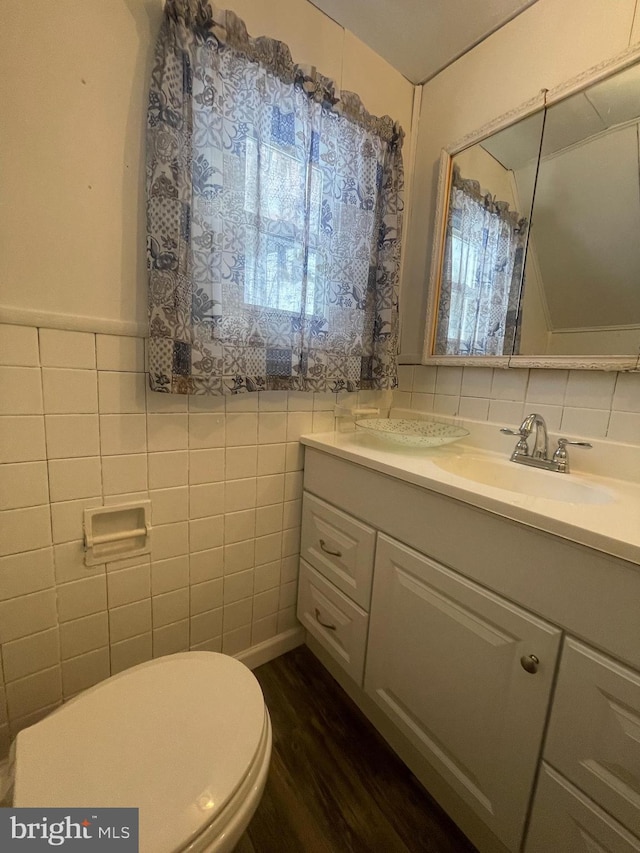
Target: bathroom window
274,219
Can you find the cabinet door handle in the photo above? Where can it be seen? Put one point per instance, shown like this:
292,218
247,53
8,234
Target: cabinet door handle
329,551
530,663
324,624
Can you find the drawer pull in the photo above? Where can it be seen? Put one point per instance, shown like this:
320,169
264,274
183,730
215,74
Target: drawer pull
529,663
324,624
329,551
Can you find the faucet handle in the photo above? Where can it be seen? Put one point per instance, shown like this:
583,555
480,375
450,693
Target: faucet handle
508,431
563,442
561,457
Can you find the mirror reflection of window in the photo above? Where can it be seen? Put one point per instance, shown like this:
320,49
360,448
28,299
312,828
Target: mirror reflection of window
482,268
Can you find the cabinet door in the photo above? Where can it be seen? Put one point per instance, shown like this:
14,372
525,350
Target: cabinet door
446,661
594,733
566,821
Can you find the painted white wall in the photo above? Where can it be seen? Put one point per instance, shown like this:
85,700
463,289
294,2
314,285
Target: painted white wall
547,44
73,85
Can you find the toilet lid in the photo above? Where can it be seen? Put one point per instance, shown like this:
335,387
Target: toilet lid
173,737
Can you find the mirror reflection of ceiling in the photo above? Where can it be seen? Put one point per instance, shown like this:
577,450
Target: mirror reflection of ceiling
421,37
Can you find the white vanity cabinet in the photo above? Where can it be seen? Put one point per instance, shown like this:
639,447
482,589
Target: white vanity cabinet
466,676
500,661
590,786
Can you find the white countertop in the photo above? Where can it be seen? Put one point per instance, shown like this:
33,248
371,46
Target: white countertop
612,527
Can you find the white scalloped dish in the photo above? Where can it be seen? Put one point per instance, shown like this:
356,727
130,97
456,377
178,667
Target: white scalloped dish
411,433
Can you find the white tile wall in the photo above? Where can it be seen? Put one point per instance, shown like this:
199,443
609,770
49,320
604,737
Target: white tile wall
78,428
580,403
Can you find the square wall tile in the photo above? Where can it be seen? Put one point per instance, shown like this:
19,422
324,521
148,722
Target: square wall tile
206,430
30,654
474,408
242,429
266,603
206,533
121,393
592,423
130,652
169,468
294,456
20,391
624,426
242,402
444,404
130,620
264,629
62,348
81,598
272,427
405,377
167,432
122,474
510,384
201,403
236,641
240,495
170,607
293,485
19,345
72,435
268,548
69,392
508,413
206,626
24,529
269,519
267,576
241,462
206,565
424,380
547,386
270,490
207,595
271,459
28,614
122,434
129,585
298,423
448,381
237,615
22,439
23,484
26,572
84,671
120,352
299,401
84,635
206,466
476,381
71,479
207,499
239,526
590,389
238,586
274,401
171,639
169,505
33,692
167,575
626,397
170,540
239,556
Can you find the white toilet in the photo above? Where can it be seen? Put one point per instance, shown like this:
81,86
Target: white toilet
185,738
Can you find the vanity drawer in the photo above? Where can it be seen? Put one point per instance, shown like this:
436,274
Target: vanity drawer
339,547
334,620
594,732
564,819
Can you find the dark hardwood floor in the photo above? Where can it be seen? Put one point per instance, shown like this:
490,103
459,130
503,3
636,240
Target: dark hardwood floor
334,785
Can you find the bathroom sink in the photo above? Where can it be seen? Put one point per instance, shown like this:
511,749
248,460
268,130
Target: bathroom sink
503,474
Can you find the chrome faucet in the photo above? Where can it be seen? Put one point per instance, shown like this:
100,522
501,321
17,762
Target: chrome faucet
539,457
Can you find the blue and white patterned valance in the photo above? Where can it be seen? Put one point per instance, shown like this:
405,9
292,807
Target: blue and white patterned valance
274,218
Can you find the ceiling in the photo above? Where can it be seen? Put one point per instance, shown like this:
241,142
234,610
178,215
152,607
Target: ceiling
421,37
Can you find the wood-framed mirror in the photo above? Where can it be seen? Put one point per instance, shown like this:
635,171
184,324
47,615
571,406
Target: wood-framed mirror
536,255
